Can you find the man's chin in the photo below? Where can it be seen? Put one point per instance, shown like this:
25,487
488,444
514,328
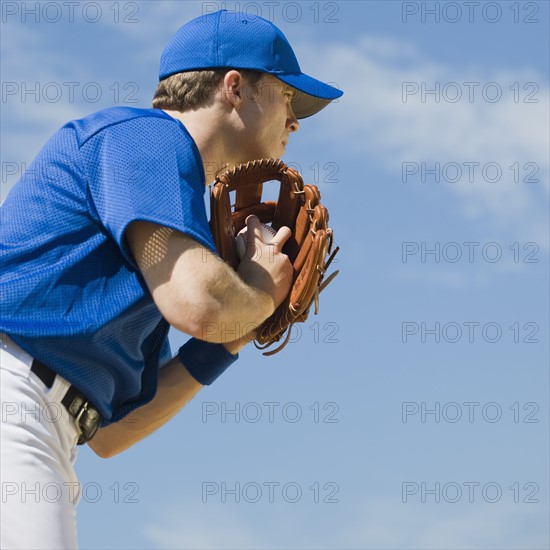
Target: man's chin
265,155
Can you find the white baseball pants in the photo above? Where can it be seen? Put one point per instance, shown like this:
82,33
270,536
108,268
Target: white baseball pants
38,439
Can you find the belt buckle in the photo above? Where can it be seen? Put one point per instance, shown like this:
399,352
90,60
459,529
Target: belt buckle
87,421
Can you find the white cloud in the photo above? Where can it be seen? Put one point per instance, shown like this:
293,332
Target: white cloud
375,119
372,118
31,61
193,527
379,523
385,524
28,120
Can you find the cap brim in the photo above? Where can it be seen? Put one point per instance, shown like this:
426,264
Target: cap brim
312,95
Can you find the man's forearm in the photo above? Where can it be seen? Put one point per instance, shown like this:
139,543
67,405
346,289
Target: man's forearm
176,387
241,309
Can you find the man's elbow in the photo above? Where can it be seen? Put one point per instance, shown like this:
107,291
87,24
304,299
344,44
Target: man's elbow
203,320
106,447
104,453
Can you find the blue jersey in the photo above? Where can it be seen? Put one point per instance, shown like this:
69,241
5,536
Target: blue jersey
71,293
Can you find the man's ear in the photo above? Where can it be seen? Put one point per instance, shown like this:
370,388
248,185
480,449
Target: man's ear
232,88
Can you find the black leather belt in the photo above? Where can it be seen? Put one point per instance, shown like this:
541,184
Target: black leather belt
86,417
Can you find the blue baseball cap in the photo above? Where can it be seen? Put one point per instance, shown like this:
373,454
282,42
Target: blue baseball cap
241,41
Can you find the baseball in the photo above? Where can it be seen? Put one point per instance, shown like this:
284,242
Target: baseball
267,234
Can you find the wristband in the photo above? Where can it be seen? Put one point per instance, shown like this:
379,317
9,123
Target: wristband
205,361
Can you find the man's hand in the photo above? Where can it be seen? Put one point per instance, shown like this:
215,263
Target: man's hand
264,266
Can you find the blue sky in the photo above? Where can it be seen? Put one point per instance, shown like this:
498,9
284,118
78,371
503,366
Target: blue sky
332,444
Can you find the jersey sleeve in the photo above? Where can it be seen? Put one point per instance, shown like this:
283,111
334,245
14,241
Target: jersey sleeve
146,169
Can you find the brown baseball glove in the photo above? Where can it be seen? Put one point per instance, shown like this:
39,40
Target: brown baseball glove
309,248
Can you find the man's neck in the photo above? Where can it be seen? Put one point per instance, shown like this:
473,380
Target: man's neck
208,134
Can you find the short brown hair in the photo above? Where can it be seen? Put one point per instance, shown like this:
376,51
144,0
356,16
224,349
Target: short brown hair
193,89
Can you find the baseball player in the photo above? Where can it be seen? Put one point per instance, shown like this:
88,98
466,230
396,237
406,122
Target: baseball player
105,244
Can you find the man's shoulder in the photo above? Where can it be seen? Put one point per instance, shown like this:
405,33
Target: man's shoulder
91,125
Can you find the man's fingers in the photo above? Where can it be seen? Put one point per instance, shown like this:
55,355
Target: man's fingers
281,237
255,235
254,229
